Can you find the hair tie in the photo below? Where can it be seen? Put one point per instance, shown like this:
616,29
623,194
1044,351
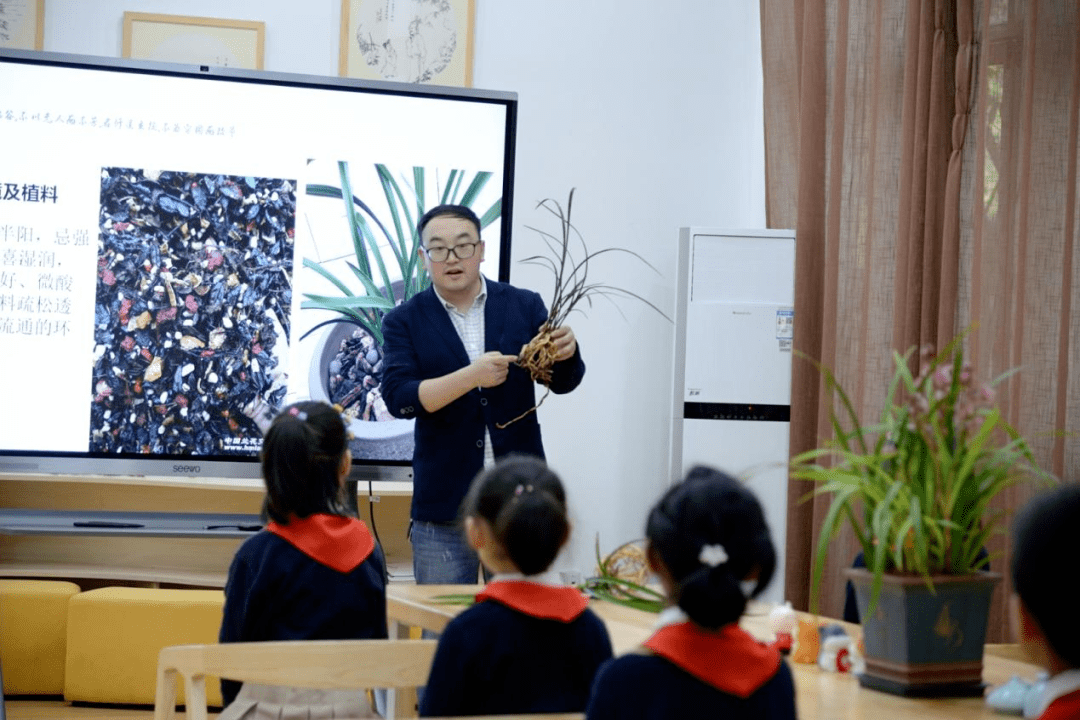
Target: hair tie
522,488
712,555
298,414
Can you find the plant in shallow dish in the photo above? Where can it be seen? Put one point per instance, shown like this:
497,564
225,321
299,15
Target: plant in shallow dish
385,269
622,578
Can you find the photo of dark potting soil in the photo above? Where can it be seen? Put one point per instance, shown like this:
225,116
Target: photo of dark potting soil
191,324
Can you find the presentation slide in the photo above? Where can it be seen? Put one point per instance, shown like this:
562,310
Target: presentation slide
181,256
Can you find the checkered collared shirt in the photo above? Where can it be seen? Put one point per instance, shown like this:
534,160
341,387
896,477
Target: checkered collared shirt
470,328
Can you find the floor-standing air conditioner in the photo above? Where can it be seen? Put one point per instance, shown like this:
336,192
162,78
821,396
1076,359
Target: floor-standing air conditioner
732,389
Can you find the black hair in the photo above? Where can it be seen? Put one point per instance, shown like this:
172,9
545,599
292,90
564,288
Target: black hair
458,211
713,511
1044,535
301,456
523,501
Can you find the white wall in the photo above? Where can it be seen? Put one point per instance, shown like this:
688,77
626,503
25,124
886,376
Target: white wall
653,114
301,37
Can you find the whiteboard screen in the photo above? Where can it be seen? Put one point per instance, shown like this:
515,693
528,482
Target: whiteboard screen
162,225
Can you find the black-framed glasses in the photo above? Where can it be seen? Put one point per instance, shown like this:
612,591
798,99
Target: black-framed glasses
462,251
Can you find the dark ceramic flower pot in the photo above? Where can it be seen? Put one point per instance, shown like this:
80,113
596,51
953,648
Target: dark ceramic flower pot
920,643
390,439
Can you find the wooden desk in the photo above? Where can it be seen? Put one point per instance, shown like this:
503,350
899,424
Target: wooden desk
819,694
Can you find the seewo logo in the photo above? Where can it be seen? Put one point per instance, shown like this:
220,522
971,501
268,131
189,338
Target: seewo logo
187,469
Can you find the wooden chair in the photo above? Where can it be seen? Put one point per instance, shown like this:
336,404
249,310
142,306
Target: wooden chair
401,665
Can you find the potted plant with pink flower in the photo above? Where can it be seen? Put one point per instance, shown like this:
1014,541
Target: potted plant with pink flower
916,489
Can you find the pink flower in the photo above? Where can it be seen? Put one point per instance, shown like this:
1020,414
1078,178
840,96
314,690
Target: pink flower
966,373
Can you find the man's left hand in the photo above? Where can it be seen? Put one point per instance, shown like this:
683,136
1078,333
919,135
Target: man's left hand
565,343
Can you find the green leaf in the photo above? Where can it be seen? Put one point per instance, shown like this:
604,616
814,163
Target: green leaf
355,228
370,289
622,583
400,247
457,188
492,214
419,188
445,198
327,274
455,599
475,187
830,526
349,303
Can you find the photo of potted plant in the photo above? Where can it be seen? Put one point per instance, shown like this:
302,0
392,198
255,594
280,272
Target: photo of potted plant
381,269
916,489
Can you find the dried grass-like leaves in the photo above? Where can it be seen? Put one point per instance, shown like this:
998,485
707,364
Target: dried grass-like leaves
570,267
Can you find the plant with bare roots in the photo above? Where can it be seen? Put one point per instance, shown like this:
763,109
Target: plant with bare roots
572,286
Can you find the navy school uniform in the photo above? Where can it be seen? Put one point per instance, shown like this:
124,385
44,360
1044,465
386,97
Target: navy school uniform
524,647
317,578
687,671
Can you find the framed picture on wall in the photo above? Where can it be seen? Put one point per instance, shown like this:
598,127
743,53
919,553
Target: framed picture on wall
22,24
413,41
194,40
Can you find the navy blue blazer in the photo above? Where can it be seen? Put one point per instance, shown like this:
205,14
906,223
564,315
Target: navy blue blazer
419,343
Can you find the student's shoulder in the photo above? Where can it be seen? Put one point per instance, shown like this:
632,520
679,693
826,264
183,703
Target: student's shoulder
256,554
781,686
482,613
265,548
483,619
258,543
592,621
643,663
654,686
632,670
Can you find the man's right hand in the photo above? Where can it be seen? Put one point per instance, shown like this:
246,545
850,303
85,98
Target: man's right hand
490,369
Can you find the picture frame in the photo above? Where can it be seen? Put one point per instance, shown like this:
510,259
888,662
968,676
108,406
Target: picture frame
22,24
194,40
376,41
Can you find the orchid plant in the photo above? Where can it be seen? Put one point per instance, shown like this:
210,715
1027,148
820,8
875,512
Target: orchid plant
916,486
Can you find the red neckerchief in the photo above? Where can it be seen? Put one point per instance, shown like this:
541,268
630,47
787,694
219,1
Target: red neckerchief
1065,707
337,542
729,659
540,601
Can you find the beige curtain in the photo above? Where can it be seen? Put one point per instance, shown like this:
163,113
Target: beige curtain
926,153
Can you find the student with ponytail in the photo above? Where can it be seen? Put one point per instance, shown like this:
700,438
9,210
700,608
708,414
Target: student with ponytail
710,546
314,572
526,646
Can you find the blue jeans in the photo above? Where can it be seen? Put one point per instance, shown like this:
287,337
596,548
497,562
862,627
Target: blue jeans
441,556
